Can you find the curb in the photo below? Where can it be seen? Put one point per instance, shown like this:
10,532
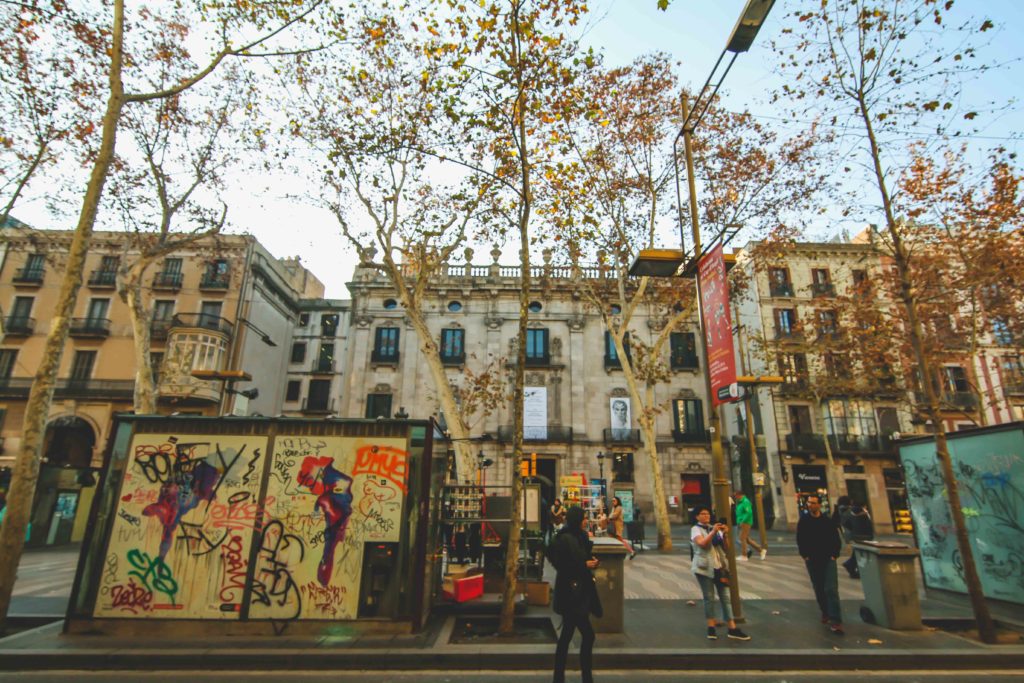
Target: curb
514,659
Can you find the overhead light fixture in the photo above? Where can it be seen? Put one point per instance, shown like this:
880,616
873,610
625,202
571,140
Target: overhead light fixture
750,22
657,263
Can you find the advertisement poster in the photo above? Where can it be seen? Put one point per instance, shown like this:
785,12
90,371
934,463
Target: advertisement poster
717,326
535,413
179,546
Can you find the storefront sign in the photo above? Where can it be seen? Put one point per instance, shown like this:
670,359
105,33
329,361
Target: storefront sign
714,292
809,478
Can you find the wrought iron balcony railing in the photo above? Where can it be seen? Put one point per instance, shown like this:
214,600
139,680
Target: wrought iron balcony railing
622,436
822,289
89,327
29,276
781,289
215,281
19,325
167,281
317,406
103,279
204,321
702,437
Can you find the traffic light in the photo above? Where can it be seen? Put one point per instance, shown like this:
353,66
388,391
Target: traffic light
524,468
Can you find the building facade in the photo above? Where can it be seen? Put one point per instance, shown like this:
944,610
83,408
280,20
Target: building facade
579,414
218,305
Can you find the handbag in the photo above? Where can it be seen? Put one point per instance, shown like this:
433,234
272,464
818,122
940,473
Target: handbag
722,575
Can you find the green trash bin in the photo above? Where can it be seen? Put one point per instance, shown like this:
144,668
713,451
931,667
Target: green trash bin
890,588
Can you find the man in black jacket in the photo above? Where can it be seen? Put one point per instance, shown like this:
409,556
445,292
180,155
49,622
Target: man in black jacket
817,538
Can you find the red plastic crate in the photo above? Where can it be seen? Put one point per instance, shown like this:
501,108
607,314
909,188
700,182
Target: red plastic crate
469,588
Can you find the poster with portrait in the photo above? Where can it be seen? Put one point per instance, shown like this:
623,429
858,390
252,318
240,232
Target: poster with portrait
621,418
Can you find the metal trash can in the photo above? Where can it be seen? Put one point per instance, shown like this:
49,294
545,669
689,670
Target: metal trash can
890,587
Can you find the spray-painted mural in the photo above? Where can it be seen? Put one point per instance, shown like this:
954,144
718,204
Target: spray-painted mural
179,545
989,468
327,497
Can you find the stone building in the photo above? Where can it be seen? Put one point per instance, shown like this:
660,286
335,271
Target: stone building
575,387
787,320
316,359
223,305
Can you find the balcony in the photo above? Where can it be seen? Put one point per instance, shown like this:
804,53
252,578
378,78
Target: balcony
684,363
15,387
454,359
622,436
19,326
323,367
204,321
549,434
318,406
387,357
167,281
1014,386
960,400
29,276
860,443
216,282
158,329
102,279
117,390
788,335
805,443
695,438
819,289
89,327
782,289
538,361
794,385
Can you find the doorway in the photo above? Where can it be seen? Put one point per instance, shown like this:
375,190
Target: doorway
857,489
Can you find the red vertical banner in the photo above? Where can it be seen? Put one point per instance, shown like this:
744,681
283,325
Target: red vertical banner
714,301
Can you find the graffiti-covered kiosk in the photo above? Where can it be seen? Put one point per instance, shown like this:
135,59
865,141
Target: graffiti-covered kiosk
254,525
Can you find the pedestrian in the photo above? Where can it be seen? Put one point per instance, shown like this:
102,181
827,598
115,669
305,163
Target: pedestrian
709,565
557,517
616,525
818,541
857,524
744,519
838,515
575,592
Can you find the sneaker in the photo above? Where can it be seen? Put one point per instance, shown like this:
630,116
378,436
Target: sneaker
712,633
741,558
737,634
764,553
836,629
750,551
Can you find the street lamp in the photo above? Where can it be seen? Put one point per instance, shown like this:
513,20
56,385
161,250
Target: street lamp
600,466
751,19
264,337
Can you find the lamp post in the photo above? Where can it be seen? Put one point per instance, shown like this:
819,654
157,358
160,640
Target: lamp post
667,262
600,466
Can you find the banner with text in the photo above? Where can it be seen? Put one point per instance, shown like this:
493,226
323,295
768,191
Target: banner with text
721,360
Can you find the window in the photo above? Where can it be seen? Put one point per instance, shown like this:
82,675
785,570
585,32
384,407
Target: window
385,345
378,405
785,323
683,347
172,266
81,366
319,398
955,379
535,307
793,368
1001,332
778,282
453,349
35,264
454,306
837,366
209,314
390,304
622,467
827,323
7,360
21,311
537,346
303,319
163,309
325,361
688,416
293,390
108,264
156,360
298,352
611,356
98,309
820,276
328,325
800,420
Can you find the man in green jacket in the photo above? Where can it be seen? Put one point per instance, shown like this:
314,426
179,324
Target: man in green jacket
744,518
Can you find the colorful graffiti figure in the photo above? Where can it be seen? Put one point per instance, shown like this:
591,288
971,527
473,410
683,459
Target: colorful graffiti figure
189,483
333,490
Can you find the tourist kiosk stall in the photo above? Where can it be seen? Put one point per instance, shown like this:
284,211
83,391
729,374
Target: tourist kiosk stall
253,525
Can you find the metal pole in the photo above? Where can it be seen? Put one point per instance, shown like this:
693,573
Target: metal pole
718,466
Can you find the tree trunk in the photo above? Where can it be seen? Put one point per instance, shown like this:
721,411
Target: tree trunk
37,408
145,386
986,628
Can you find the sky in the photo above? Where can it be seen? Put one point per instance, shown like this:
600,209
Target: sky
692,32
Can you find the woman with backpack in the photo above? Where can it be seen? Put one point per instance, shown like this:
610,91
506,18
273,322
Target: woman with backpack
575,592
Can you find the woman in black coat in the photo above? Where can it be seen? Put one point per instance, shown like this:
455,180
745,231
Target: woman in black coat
575,592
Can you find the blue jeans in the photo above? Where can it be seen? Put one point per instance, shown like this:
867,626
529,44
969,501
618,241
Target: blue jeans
708,587
825,581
